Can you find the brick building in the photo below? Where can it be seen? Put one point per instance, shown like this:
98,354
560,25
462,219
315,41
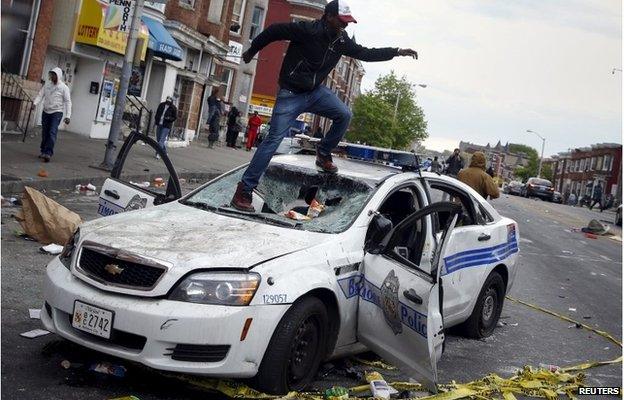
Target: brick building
179,48
579,170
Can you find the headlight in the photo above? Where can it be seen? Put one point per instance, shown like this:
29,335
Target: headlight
68,250
222,288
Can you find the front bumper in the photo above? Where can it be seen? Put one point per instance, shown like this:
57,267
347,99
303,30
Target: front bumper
161,325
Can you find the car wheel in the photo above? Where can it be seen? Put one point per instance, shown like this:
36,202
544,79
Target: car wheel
487,310
296,348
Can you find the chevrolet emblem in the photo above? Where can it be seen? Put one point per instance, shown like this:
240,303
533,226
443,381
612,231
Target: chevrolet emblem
113,269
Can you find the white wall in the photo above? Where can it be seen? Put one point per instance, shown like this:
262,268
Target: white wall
155,86
169,82
85,103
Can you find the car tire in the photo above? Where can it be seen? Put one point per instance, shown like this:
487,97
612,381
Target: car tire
296,348
487,309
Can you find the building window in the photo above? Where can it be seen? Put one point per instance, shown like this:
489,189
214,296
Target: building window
256,22
215,10
238,13
593,163
226,82
599,164
582,165
608,160
189,3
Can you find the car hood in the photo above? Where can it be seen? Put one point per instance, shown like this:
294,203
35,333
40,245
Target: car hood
190,238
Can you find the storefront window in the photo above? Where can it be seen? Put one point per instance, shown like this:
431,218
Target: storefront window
256,22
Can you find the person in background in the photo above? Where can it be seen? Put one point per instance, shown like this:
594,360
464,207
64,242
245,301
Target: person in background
572,199
252,131
435,165
476,177
318,133
490,171
233,127
597,197
56,101
215,111
166,113
455,163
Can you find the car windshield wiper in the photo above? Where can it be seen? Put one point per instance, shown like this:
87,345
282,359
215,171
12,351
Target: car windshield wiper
262,217
199,204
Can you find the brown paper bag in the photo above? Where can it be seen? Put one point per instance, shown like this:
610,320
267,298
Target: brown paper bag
45,220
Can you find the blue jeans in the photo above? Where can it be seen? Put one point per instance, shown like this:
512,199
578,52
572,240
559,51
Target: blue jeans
49,129
288,106
162,133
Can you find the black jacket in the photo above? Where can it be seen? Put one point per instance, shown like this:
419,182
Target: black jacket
454,164
170,116
313,53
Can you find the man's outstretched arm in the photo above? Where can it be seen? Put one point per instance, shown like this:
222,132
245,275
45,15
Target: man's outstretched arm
359,52
294,31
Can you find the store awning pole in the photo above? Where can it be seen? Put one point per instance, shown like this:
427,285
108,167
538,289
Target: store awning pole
124,80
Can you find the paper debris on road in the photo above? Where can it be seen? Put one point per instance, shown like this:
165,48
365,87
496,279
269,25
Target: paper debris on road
34,313
140,184
34,333
109,369
44,219
52,248
572,309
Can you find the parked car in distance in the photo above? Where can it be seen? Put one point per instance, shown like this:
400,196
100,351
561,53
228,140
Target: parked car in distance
557,198
514,188
618,216
538,187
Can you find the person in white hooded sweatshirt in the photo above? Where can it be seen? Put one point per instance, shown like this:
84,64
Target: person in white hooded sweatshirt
56,101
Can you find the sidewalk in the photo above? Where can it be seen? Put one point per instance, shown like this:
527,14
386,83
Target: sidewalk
74,154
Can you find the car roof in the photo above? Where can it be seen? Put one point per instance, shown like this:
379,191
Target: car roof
346,167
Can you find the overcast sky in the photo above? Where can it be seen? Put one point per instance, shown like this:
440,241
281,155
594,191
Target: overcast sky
497,68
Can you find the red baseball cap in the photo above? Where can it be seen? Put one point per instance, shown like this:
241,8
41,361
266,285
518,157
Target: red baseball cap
341,9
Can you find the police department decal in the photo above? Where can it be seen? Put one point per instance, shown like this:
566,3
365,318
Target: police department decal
390,302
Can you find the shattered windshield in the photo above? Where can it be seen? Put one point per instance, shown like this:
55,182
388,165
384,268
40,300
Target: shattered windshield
303,197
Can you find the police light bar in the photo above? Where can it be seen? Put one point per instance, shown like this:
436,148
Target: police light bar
396,158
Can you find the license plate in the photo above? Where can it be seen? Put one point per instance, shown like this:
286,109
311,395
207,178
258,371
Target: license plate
91,319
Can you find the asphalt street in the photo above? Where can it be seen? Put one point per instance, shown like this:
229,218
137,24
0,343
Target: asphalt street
560,269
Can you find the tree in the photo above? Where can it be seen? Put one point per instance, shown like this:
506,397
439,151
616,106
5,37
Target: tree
373,120
530,170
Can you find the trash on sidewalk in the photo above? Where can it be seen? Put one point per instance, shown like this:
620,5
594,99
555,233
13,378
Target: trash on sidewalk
572,309
141,184
42,173
44,219
109,369
159,182
88,189
596,227
52,248
337,393
591,236
34,333
549,367
34,313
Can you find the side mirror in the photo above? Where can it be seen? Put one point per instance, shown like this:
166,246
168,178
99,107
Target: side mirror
378,229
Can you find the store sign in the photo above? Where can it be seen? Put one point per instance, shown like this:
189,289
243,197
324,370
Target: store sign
235,53
119,15
262,110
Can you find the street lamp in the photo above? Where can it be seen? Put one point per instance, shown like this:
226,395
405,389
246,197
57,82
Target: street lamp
539,169
396,104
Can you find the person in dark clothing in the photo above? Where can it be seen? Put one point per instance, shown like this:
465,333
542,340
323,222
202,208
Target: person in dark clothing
597,197
215,111
233,127
166,113
319,133
490,171
435,165
314,50
454,163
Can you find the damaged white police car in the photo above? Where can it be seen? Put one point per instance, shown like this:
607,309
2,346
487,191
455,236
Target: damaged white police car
197,287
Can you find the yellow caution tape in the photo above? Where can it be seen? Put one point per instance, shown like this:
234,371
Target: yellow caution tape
537,383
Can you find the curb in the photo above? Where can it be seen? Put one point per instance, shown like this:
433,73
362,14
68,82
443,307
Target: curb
15,187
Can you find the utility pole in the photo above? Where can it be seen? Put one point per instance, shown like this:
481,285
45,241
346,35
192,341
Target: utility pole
124,80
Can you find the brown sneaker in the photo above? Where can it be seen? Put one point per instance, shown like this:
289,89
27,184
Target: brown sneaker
242,200
326,163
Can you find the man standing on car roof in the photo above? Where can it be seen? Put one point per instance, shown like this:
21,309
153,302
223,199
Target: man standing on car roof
314,50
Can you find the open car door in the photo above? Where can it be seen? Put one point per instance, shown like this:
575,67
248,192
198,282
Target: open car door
119,193
399,310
